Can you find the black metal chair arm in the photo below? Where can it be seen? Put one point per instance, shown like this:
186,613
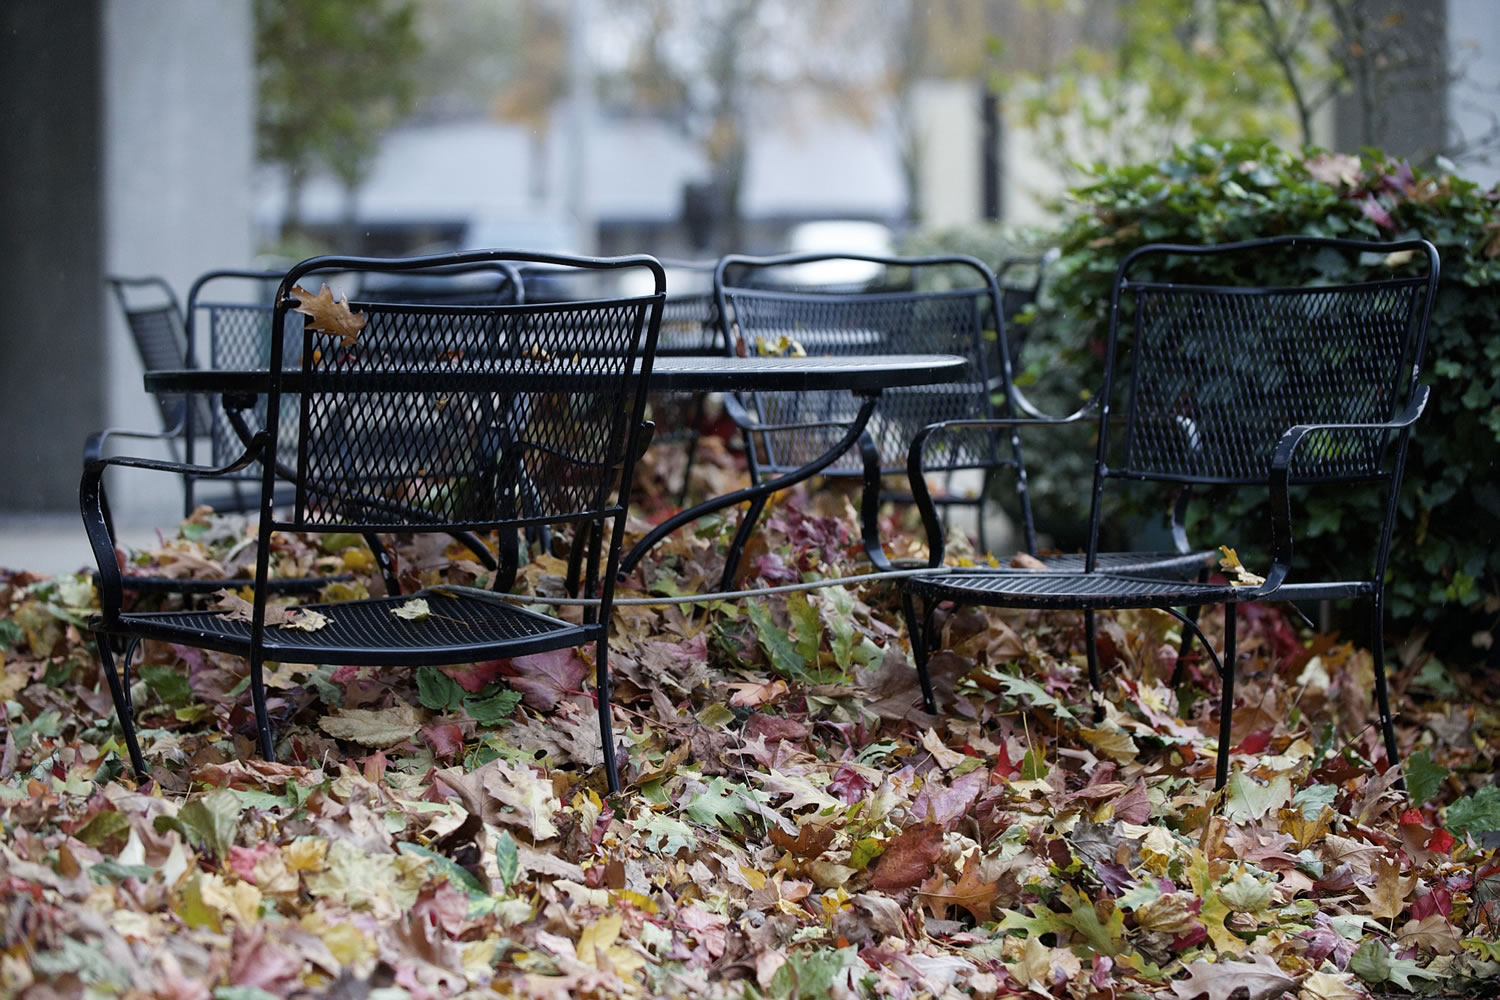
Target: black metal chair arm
257,446
1281,478
1031,413
95,509
93,448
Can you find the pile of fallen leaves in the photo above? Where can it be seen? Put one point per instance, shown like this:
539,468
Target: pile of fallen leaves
794,824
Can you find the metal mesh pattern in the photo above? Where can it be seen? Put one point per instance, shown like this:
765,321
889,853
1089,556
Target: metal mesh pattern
1220,374
161,342
689,325
1027,589
850,325
457,627
428,418
240,339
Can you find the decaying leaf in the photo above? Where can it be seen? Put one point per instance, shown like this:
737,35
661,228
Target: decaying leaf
328,316
371,727
413,610
233,607
1237,574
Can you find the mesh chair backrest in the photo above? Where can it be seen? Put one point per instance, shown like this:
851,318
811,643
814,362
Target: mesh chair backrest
1219,371
160,335
921,316
442,415
233,309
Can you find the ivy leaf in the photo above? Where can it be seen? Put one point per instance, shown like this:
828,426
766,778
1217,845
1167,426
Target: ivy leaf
437,691
1018,686
1423,777
786,659
493,710
1477,813
214,818
720,804
507,858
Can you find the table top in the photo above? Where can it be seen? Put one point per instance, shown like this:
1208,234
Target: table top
868,373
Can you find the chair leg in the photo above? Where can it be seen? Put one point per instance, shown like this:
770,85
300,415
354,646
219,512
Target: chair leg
1226,697
741,537
919,631
1186,645
1382,692
120,695
263,732
1091,641
694,423
602,688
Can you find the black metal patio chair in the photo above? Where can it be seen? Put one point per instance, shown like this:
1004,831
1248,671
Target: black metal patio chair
847,305
164,339
1241,366
876,305
437,418
159,331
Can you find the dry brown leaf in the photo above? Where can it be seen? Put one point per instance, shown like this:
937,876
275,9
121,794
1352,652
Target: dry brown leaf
971,893
908,858
372,727
235,608
1025,560
1261,979
327,316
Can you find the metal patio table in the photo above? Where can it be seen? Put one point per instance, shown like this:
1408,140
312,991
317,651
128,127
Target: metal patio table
865,376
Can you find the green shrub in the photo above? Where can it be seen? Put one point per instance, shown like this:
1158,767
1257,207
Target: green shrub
1445,565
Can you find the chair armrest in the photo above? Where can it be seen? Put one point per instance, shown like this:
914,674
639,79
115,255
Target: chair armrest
93,506
1281,475
253,453
93,448
1028,409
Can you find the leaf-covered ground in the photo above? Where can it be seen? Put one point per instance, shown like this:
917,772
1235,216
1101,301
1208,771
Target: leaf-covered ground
793,825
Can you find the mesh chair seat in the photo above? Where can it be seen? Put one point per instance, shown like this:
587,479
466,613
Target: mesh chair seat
460,628
1019,588
1151,564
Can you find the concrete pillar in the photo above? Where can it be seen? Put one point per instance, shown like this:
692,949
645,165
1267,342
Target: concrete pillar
178,155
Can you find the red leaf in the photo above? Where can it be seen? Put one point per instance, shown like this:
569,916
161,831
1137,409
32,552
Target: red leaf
475,677
1438,901
446,740
1256,742
849,785
908,858
1442,841
774,728
545,678
1004,766
1412,816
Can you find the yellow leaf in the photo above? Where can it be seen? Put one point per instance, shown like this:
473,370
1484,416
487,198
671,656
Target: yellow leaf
306,855
1238,575
756,879
413,610
1116,746
596,938
1387,896
328,316
1330,986
1033,965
